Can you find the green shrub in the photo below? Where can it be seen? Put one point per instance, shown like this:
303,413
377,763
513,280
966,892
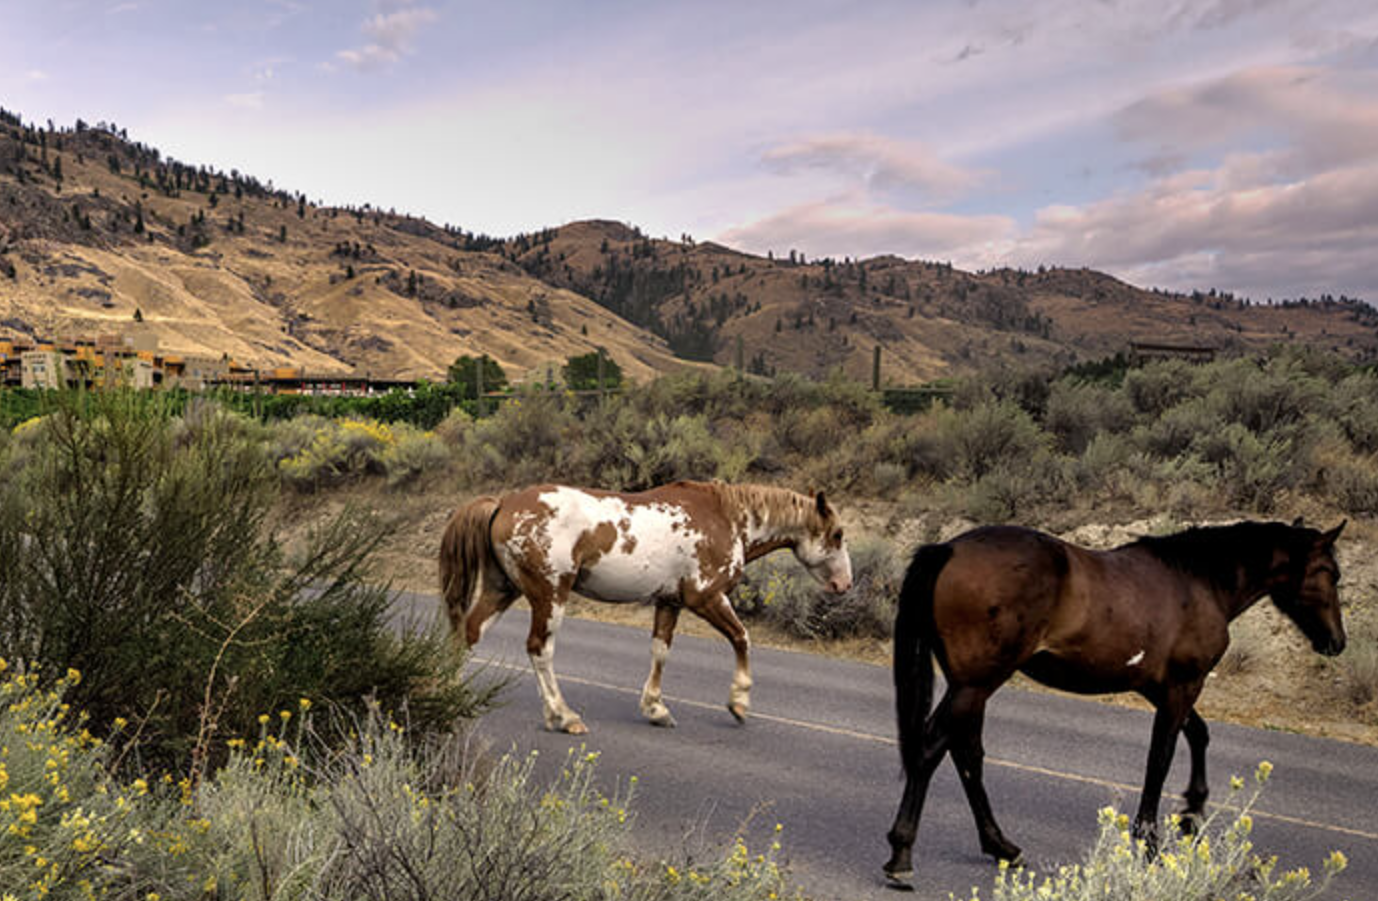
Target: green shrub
619,448
1218,861
1077,412
990,436
778,590
1355,400
527,440
1174,432
888,478
1108,460
1014,487
362,809
1358,665
1262,397
1254,470
1159,386
1353,483
412,454
144,560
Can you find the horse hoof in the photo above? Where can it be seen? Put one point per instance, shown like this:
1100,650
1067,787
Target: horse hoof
1008,854
738,711
665,722
577,728
900,880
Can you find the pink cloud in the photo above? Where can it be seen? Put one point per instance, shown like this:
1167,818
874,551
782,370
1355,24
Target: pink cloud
1200,229
879,163
855,227
1322,117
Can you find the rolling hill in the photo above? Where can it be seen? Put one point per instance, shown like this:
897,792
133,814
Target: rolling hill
103,235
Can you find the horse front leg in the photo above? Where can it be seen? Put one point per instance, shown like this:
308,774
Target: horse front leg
546,617
1198,737
717,610
652,707
1172,712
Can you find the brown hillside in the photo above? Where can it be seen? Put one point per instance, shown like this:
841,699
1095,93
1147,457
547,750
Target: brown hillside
930,319
99,235
102,236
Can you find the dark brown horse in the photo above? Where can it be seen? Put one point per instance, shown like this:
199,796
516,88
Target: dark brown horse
1150,617
679,546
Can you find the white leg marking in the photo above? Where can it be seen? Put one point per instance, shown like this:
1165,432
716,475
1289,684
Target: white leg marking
652,707
558,714
741,680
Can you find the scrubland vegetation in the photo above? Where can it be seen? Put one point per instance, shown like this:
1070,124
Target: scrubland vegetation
1217,860
190,711
1180,443
195,707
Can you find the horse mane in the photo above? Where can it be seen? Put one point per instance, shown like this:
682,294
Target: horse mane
768,503
1218,554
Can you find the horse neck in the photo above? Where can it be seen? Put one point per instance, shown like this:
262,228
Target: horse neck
1249,588
1232,565
767,518
1242,599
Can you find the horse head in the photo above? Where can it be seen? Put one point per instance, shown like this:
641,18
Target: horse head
823,551
1303,586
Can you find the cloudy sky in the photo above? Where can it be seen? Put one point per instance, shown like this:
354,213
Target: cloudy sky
1176,143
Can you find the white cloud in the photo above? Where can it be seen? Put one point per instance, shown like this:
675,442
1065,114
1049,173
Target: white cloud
390,34
251,100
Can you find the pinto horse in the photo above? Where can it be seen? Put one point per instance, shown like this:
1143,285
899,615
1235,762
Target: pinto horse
679,546
1150,617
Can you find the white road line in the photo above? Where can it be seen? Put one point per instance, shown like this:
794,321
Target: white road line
886,740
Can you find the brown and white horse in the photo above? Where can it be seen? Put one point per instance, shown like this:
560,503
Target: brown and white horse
679,546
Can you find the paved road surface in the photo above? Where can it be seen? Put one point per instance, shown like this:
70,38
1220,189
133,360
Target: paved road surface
819,756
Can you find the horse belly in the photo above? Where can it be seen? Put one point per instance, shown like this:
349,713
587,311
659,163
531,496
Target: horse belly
635,577
1080,676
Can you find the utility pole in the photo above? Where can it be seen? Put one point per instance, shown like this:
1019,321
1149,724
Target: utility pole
602,391
478,386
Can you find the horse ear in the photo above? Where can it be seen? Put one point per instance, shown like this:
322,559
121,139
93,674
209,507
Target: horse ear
1298,522
822,503
1329,538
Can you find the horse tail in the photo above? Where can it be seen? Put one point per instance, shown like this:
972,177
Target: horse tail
465,550
915,635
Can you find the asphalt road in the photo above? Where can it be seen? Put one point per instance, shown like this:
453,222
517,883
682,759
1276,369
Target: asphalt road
818,755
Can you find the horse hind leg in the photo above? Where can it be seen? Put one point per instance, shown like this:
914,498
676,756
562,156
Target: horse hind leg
540,646
492,603
936,740
968,755
652,705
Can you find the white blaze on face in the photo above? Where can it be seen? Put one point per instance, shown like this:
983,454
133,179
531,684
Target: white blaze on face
661,554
